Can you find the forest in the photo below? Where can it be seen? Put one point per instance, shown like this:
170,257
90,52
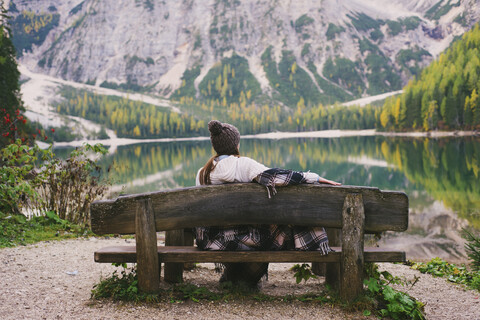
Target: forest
135,119
445,95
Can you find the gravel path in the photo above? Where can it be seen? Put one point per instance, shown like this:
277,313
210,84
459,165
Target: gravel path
53,280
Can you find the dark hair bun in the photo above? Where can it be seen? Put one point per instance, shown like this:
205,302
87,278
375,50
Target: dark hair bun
215,127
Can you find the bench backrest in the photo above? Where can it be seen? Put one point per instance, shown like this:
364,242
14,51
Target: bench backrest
248,203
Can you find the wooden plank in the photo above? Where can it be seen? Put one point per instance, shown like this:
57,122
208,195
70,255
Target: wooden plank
192,254
146,245
173,272
308,205
351,264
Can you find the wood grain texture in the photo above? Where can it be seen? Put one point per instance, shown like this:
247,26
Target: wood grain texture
193,254
146,245
352,260
307,205
173,272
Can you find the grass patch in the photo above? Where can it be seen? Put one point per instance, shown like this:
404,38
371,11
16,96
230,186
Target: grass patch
453,273
18,230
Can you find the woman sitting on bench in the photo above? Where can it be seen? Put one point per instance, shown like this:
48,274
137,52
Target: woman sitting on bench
228,166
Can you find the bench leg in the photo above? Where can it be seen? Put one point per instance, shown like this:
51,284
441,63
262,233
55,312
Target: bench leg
146,245
352,261
173,272
332,270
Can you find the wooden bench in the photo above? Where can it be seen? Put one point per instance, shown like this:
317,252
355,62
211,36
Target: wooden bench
354,210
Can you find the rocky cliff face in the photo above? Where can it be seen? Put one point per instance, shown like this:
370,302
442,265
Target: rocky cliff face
360,47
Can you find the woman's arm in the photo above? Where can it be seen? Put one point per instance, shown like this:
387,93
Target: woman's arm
311,177
323,180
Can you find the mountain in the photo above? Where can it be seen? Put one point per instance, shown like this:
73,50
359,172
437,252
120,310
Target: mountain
234,51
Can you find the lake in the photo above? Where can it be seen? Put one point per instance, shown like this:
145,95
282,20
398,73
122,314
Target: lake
440,177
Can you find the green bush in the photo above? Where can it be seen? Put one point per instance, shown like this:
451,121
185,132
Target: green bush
69,186
456,274
392,303
473,248
19,182
36,181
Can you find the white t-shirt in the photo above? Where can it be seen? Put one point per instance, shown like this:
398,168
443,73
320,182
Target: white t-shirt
242,169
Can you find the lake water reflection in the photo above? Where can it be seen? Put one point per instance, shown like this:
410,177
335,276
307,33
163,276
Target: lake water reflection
440,176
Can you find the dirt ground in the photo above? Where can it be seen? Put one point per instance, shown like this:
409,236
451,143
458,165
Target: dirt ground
53,280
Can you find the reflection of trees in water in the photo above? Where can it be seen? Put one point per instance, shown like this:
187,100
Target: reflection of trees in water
447,168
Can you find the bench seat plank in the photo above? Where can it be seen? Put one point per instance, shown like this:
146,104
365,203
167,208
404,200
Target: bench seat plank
121,254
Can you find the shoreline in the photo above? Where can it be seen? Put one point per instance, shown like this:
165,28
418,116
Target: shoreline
277,135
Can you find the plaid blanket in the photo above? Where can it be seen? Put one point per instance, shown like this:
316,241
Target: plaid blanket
279,177
261,237
265,237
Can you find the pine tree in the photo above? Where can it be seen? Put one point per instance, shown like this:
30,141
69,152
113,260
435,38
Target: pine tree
10,99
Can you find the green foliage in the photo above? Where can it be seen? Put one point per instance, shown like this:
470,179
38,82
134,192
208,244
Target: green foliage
230,81
67,187
30,28
392,303
123,286
76,9
331,93
381,76
187,291
130,85
362,22
411,23
450,83
394,27
187,89
440,9
19,182
129,118
303,272
306,49
292,82
345,73
456,274
18,230
333,30
376,34
460,19
409,60
37,181
10,99
302,22
473,249
364,45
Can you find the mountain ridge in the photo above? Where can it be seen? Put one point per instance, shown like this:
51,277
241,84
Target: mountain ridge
151,45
